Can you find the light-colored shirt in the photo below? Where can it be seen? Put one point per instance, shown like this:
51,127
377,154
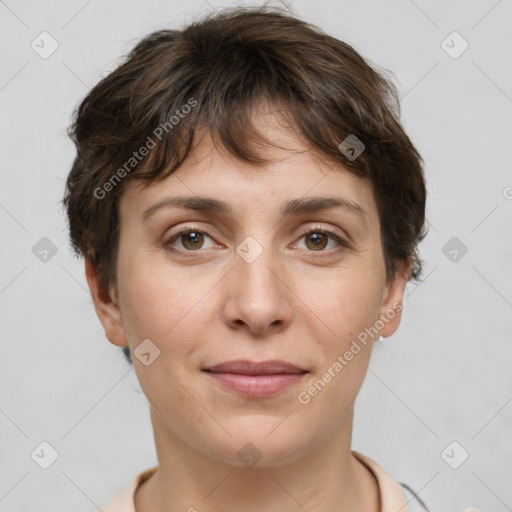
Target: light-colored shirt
391,494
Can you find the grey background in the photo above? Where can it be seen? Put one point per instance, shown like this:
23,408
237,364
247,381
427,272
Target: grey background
443,377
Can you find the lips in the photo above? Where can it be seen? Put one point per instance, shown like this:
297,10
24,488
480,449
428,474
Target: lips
251,379
245,367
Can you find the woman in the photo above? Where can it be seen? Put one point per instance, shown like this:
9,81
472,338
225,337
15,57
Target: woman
249,209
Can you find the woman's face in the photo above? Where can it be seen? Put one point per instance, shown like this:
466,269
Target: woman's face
266,278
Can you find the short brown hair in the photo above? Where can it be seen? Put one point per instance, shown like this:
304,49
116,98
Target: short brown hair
214,72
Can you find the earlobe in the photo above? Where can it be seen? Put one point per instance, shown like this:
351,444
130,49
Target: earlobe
106,308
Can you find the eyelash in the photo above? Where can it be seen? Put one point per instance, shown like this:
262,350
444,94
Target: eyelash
316,229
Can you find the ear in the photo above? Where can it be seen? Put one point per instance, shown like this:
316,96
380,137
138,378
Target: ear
106,308
393,295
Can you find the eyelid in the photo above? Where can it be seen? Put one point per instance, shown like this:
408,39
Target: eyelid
326,229
186,229
343,241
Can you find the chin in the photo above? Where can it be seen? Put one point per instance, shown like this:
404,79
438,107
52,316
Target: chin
260,443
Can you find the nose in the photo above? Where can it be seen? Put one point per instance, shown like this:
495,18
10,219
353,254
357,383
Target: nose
257,296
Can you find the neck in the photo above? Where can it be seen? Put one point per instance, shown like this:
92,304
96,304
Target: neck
327,479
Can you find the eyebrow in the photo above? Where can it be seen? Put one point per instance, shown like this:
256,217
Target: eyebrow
297,206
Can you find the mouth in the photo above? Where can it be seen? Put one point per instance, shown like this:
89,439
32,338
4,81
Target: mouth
255,379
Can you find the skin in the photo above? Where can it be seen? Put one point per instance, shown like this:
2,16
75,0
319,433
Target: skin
296,302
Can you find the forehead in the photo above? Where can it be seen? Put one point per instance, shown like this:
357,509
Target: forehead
294,171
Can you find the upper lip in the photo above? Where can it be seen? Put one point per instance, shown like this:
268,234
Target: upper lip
245,367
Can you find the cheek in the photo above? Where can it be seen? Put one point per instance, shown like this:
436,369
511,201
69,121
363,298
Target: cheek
163,304
343,307
347,309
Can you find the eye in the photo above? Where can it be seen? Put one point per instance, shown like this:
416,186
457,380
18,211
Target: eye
191,239
317,239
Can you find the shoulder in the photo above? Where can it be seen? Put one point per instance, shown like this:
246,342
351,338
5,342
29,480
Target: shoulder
125,502
393,493
392,497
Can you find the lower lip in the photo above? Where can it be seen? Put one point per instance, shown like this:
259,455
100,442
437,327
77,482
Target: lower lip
256,385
